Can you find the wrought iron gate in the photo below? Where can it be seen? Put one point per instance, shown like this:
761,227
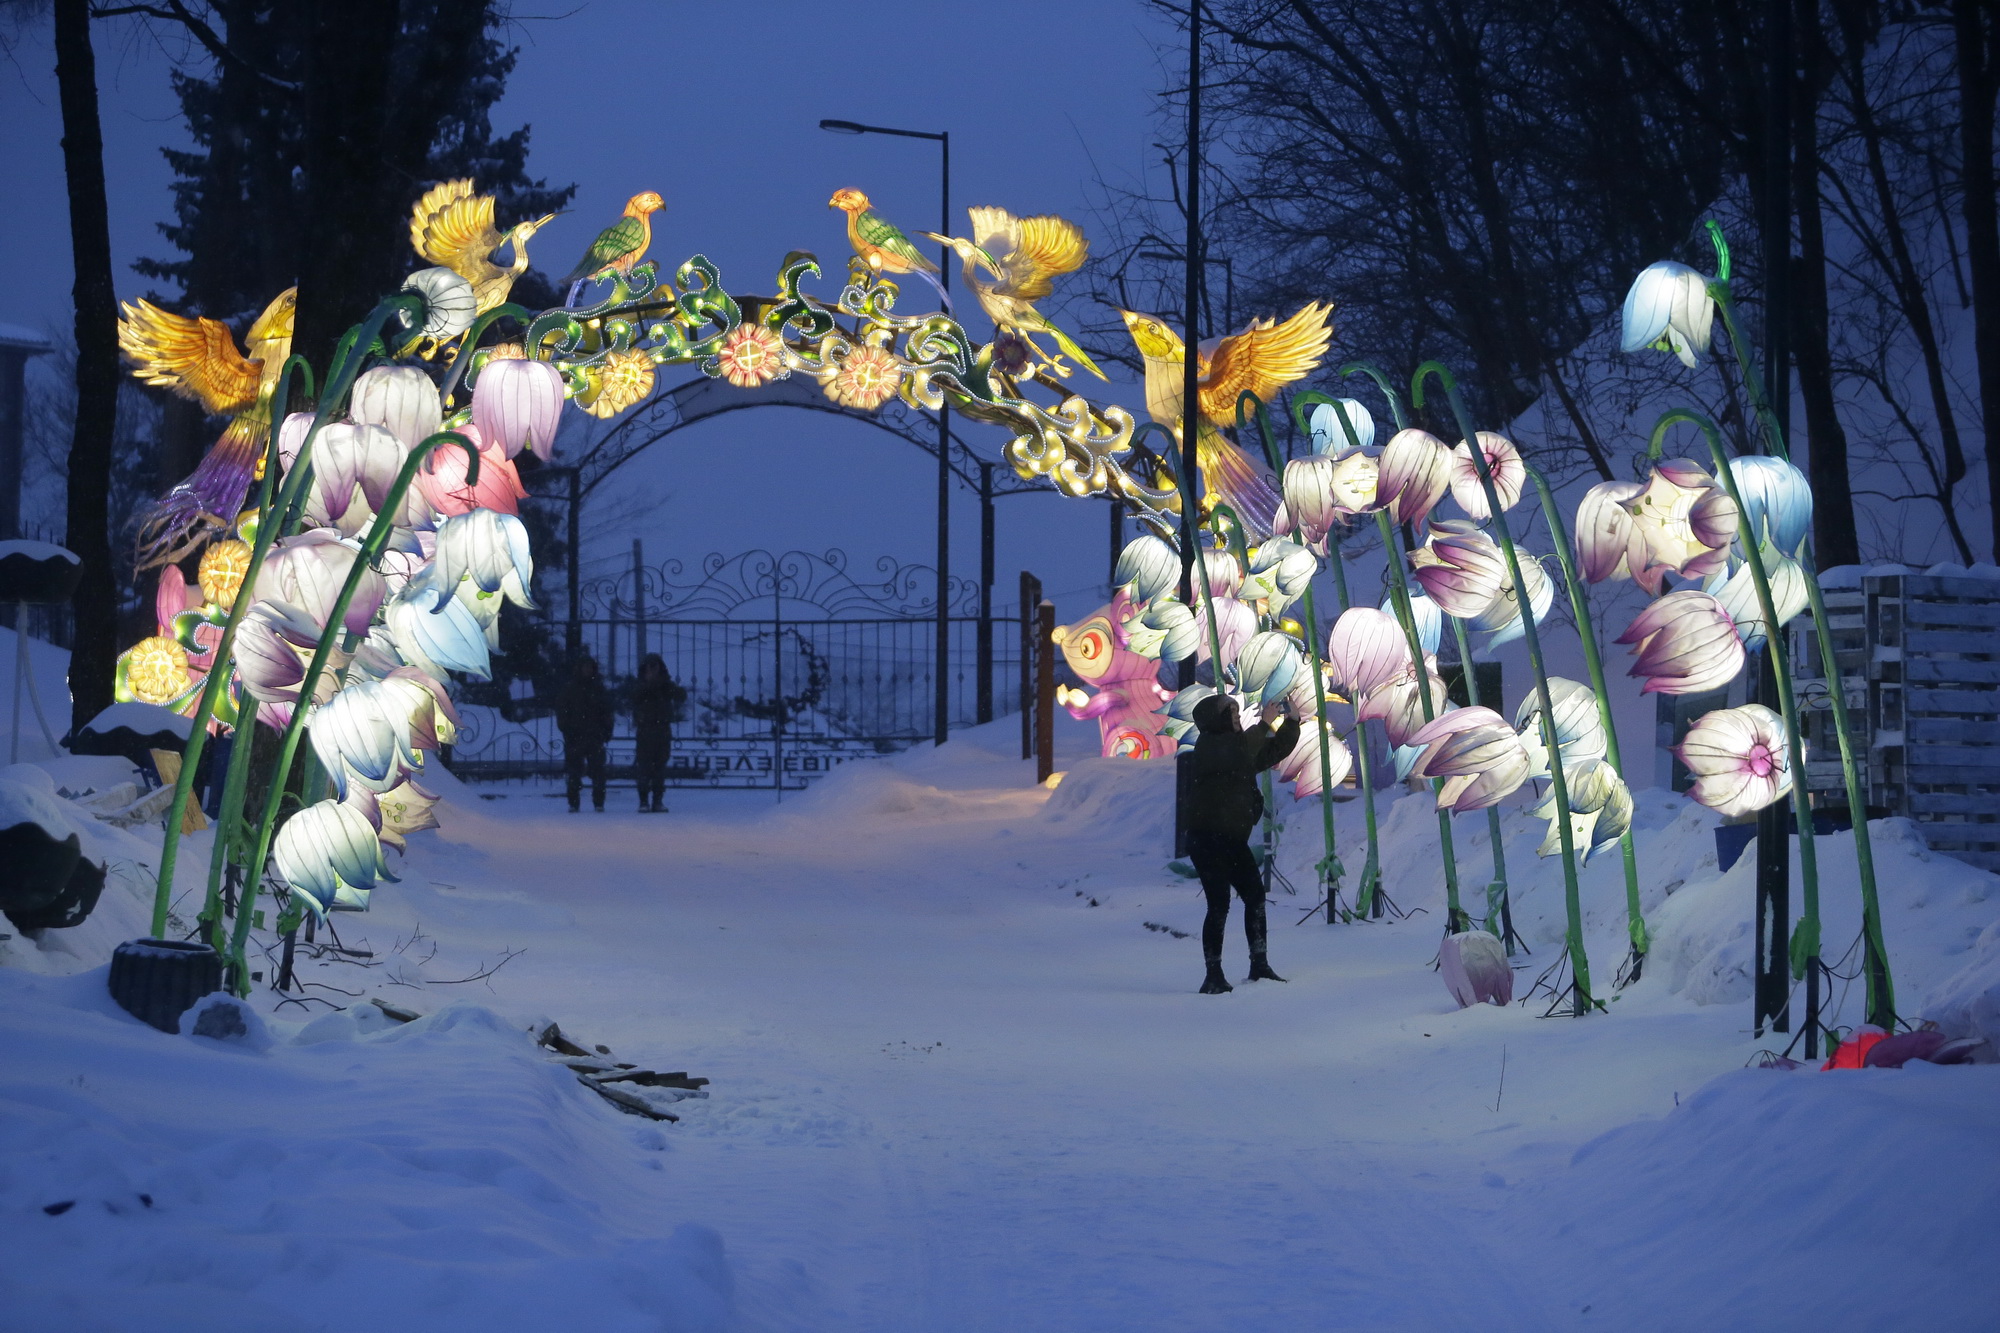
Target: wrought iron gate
792,667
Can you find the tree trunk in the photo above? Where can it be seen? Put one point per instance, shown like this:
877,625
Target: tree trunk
94,608
350,241
1975,36
1835,540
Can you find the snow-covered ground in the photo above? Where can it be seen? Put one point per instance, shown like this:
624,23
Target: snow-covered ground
959,1084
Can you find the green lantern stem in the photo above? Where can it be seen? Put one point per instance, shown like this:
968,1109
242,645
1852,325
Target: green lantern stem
1456,919
1572,898
1329,868
346,367
1805,942
1593,660
371,550
1881,988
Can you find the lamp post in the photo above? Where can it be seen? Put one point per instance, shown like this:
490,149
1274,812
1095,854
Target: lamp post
942,722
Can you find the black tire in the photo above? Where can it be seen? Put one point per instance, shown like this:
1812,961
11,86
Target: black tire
156,981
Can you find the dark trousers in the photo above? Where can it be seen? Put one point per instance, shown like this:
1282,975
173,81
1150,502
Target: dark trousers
577,758
1225,863
649,762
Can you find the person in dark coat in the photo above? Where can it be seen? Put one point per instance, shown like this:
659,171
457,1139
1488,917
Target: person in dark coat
655,699
585,718
1224,805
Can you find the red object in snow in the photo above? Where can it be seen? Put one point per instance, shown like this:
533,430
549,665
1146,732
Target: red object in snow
1853,1053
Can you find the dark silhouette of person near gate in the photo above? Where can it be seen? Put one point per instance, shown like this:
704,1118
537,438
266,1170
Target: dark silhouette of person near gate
1224,805
656,697
585,717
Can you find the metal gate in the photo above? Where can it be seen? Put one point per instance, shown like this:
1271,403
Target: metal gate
792,667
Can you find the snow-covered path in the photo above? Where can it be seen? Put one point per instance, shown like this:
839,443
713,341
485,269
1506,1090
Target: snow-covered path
958,1085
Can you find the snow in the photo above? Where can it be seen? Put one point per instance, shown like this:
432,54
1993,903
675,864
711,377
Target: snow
141,720
35,550
958,1084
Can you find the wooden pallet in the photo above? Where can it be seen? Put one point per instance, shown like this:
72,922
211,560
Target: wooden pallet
1934,708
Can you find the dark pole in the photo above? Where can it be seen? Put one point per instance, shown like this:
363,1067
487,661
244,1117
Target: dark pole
94,605
573,636
985,665
1190,331
1117,539
1773,979
943,720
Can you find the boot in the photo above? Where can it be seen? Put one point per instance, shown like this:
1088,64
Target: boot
1254,935
1215,983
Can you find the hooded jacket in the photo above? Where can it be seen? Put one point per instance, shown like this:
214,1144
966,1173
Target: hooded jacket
1224,798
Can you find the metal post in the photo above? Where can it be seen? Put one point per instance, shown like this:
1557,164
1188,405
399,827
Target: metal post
943,720
1045,691
573,633
1772,982
1190,334
985,664
638,605
1031,598
1117,541
16,346
778,684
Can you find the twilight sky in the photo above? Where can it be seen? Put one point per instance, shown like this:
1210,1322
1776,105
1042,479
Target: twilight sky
1042,100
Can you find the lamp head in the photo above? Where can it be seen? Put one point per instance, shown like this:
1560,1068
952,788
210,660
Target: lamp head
841,127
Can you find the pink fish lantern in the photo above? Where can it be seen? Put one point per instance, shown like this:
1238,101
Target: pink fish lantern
1474,964
1128,695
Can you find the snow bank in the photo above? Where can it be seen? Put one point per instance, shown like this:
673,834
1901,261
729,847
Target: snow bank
437,1175
1841,1200
1126,804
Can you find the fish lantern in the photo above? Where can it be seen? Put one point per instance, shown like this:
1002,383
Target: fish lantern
1127,695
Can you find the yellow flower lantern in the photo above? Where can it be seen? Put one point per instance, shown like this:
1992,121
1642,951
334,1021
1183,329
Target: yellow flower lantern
156,670
223,566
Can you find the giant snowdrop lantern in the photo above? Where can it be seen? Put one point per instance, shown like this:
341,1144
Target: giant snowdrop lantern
401,400
487,548
1503,460
1327,435
517,404
1366,650
1476,753
1461,569
1412,475
1148,567
330,856
1267,665
442,479
307,572
1682,522
1669,308
1739,759
450,304
1685,643
1777,499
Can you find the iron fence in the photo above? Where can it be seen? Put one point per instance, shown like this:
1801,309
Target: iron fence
792,667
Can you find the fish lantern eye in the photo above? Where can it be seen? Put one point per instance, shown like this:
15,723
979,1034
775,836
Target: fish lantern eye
1088,648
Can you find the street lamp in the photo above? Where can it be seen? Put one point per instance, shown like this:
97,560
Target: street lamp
942,721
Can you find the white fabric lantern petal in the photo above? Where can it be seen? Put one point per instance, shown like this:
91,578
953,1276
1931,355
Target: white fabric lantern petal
1740,759
1579,728
1737,591
292,432
1148,566
487,548
1267,665
450,304
434,632
328,853
518,403
401,400
1327,435
1668,306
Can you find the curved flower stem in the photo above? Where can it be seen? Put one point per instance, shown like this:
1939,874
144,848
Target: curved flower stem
1330,869
1593,661
1399,596
1367,899
1805,942
371,550
1881,986
1499,910
1579,961
343,376
229,813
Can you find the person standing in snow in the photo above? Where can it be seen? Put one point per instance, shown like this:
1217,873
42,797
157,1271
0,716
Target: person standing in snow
655,699
1224,805
585,718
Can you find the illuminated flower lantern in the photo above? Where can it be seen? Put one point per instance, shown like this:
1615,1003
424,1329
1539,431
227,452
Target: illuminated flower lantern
221,572
1475,969
1669,307
1682,522
1686,643
866,379
518,404
623,379
750,356
1412,475
442,481
1476,752
401,400
1503,461
329,853
1739,759
155,671
1128,696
